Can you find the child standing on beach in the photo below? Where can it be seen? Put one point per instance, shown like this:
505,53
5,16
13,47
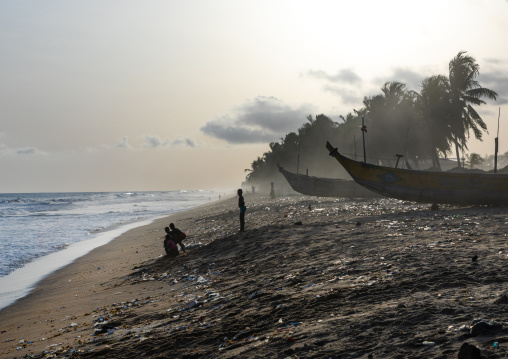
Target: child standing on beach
169,245
178,236
241,205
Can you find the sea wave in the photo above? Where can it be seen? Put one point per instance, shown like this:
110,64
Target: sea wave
51,221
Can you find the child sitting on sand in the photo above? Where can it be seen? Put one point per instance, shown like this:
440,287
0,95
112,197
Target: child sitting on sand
169,245
178,235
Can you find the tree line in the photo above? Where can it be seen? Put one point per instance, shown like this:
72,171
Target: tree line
422,126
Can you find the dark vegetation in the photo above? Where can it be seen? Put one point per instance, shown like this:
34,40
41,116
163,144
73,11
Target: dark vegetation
422,126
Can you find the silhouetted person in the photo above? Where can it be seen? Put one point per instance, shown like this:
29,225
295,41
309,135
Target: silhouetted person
170,246
272,192
178,236
241,205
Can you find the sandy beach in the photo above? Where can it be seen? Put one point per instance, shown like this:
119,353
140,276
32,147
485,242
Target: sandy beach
309,278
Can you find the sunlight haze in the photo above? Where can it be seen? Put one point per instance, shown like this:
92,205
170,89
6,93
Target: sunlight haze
167,95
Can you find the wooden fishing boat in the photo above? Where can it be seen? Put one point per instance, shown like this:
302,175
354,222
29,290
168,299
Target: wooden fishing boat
325,187
427,186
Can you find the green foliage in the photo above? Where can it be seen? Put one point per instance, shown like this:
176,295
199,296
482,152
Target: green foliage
474,160
297,151
419,126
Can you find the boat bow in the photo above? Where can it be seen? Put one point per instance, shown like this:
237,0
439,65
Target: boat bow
427,186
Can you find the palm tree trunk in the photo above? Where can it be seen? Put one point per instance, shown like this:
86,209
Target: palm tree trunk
457,152
435,157
435,161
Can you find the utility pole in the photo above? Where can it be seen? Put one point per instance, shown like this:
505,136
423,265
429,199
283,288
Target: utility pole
364,129
497,142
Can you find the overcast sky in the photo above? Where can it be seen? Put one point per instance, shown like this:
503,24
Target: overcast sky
120,95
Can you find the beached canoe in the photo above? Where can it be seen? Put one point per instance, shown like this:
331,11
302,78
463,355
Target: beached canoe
325,187
427,186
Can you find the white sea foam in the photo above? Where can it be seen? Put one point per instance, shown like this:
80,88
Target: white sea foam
23,280
44,232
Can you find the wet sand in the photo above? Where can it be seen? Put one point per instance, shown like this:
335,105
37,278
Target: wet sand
309,278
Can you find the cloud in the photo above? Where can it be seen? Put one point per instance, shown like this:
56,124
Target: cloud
26,151
493,75
154,142
150,141
412,79
347,77
184,142
496,81
262,120
343,76
494,61
123,143
347,96
346,84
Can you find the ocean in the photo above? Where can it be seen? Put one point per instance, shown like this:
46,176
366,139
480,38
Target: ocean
42,232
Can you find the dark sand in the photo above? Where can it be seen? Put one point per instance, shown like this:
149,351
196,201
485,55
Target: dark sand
341,279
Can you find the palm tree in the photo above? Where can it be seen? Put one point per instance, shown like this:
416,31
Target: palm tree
434,108
391,115
474,159
312,136
465,92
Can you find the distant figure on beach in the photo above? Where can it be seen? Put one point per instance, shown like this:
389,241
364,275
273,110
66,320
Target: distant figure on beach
253,189
170,246
272,192
241,205
178,236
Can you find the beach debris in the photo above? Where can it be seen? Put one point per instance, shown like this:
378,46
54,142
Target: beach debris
200,279
428,343
106,327
299,223
223,289
255,294
191,305
462,328
475,258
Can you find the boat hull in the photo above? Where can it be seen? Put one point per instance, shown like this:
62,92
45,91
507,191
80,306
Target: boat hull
427,186
326,187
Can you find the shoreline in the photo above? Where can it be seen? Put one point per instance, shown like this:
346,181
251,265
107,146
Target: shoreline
22,281
61,291
310,277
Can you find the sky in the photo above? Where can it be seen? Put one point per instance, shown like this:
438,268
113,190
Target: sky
122,95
